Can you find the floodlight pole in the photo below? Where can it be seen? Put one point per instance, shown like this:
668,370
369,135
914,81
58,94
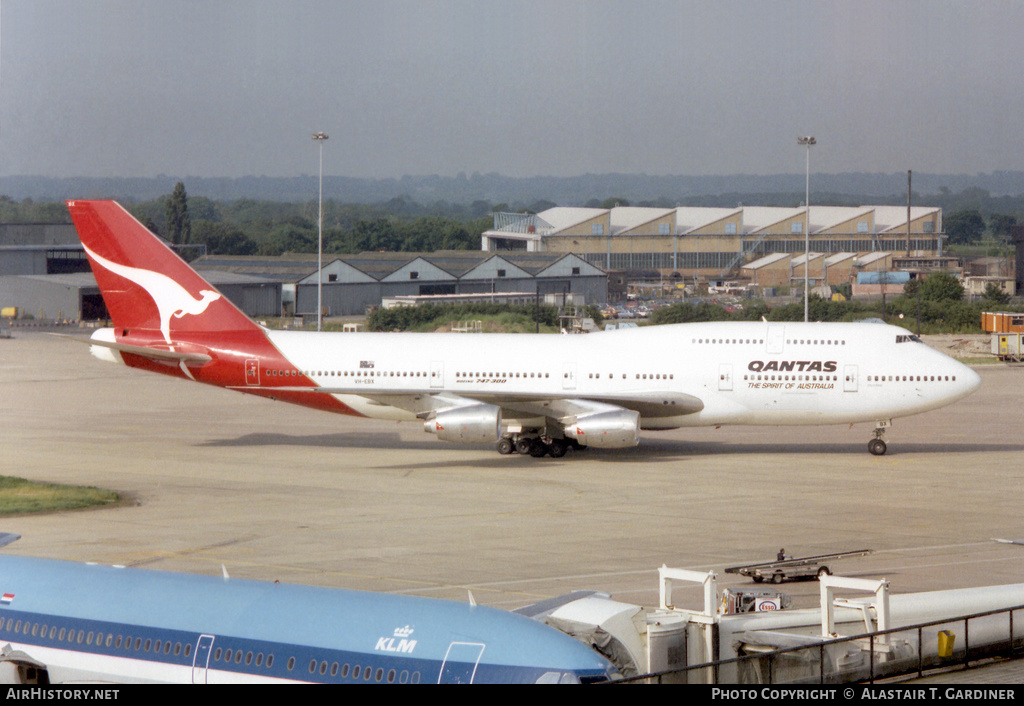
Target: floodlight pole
320,137
807,141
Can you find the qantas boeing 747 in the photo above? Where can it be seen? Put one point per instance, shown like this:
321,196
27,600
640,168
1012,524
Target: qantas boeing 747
531,394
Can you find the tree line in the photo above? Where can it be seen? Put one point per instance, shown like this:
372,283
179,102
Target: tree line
249,227
935,304
971,217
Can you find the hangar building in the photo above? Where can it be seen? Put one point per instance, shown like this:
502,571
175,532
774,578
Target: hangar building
353,283
714,242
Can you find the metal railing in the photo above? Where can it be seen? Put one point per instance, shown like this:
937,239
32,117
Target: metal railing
895,652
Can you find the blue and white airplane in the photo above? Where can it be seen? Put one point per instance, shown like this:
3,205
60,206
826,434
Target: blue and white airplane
64,622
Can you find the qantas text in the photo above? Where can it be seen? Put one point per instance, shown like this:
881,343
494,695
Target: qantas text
796,366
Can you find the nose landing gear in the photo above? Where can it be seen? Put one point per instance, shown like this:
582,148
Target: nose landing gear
877,446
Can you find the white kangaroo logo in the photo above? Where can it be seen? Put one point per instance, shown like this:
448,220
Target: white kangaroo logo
170,297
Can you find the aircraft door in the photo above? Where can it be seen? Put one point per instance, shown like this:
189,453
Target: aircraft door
850,378
460,663
437,373
252,371
776,337
725,377
568,376
202,659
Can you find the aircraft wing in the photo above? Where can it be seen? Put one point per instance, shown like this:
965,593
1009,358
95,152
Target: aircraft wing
541,609
564,407
561,406
604,421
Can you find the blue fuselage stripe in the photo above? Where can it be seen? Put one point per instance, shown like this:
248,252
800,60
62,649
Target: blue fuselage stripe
255,658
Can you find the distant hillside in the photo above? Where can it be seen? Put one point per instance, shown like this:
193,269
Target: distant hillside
516,192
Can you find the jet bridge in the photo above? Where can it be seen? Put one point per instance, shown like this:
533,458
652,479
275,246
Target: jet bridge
840,635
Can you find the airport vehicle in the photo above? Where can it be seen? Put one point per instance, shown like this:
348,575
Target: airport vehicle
535,394
789,568
754,600
63,622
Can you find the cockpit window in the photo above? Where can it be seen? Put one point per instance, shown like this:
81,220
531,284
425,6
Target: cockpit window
908,339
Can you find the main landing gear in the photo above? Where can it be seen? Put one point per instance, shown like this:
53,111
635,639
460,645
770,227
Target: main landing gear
536,446
877,445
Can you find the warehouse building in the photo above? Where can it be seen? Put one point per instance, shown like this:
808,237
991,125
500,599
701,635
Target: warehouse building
76,297
814,263
354,283
51,282
769,271
714,243
840,268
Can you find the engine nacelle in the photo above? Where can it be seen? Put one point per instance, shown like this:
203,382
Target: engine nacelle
107,355
468,424
617,429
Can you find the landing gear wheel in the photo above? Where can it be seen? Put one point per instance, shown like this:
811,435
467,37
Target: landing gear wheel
538,449
559,448
877,445
523,445
505,446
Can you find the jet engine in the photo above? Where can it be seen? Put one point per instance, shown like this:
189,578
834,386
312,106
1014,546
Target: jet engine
615,429
467,424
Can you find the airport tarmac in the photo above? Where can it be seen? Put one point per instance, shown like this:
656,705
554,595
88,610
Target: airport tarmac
273,491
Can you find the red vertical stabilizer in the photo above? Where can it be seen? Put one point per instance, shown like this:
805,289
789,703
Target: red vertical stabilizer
147,288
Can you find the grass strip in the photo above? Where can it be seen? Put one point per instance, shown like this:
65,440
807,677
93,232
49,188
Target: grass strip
18,496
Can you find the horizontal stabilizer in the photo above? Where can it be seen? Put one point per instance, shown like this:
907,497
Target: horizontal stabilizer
541,609
161,354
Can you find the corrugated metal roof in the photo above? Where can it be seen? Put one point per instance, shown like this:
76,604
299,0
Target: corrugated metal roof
889,218
872,257
625,218
825,217
377,265
562,217
753,218
799,259
757,218
839,257
766,260
691,219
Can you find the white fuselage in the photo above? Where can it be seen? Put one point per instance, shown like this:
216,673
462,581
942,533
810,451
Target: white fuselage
755,373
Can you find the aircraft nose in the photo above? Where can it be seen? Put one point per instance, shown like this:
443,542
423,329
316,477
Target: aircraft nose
967,381
971,380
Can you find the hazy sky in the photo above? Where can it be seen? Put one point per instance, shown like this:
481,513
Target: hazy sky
523,88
